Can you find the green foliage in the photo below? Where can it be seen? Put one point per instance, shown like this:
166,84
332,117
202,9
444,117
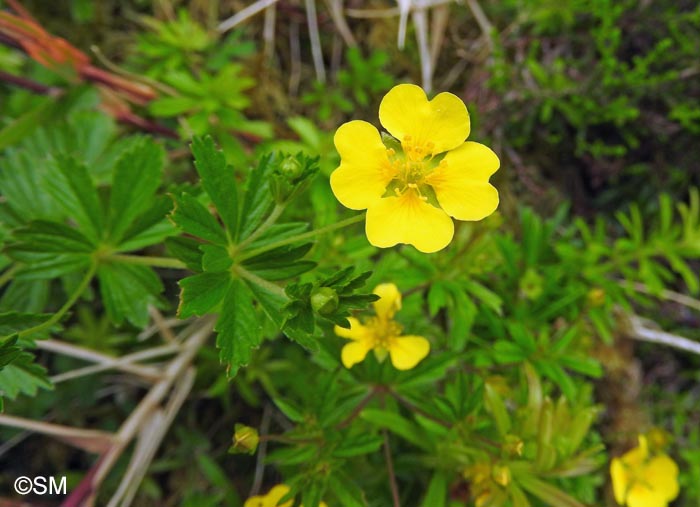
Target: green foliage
239,260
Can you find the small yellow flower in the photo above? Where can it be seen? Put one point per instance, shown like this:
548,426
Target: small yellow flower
643,480
272,498
410,195
382,334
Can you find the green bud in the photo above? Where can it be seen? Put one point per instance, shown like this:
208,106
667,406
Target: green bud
324,300
291,167
245,440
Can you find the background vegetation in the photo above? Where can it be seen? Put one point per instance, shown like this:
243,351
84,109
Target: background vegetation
545,319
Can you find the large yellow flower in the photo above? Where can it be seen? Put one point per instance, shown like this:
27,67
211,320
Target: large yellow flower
643,480
411,192
272,498
382,334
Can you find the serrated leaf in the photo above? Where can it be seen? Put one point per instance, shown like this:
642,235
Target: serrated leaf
73,190
271,302
127,290
42,236
23,376
13,322
48,266
137,176
201,294
193,218
218,180
187,250
239,331
258,201
215,258
149,228
284,272
396,424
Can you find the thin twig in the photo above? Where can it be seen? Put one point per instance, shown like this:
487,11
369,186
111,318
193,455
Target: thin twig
390,470
163,327
638,331
336,9
420,21
482,20
90,440
244,14
269,32
262,451
315,38
666,294
294,59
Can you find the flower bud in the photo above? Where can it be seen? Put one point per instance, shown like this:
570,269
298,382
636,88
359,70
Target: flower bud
324,300
245,440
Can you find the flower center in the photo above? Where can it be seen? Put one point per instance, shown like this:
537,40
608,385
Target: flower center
384,332
411,167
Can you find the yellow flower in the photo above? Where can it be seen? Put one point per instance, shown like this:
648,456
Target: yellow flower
382,334
272,498
643,480
410,195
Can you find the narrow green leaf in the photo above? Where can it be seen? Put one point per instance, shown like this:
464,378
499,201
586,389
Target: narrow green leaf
357,445
396,424
549,494
187,250
137,176
436,496
290,410
218,180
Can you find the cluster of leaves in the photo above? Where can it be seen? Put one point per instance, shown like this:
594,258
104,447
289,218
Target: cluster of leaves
71,213
602,82
206,85
238,260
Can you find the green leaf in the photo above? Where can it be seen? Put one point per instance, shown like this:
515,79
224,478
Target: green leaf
284,272
71,186
42,236
137,176
187,250
546,492
25,124
149,228
497,408
48,266
436,496
271,302
9,350
346,491
202,293
127,290
215,258
357,445
192,217
218,180
13,322
258,200
290,410
396,424
23,376
239,331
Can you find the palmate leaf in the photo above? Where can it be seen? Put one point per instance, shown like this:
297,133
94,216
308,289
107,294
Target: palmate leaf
127,290
238,328
218,180
23,376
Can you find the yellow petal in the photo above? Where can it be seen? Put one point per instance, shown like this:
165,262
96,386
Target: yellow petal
271,499
408,219
444,121
461,182
620,480
408,351
355,352
364,170
640,495
356,332
662,473
389,302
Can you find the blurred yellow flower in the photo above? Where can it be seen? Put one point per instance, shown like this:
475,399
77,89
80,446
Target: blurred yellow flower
643,480
272,498
382,334
410,194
